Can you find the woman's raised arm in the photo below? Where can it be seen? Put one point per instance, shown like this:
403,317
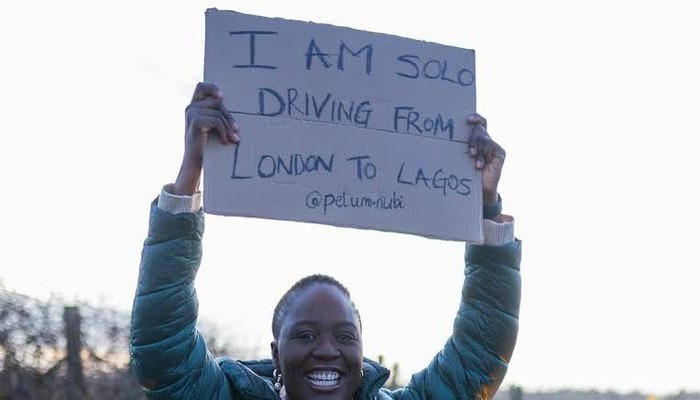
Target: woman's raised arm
169,356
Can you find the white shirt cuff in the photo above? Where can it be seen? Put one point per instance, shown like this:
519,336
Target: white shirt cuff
176,204
499,233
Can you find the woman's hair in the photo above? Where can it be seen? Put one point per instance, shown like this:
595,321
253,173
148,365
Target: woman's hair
288,298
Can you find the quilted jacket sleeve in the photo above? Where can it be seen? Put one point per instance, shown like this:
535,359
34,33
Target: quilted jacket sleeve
474,360
169,357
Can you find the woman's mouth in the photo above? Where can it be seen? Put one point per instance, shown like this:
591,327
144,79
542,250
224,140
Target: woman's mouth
324,380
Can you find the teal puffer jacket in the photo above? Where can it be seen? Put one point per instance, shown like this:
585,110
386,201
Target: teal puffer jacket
171,360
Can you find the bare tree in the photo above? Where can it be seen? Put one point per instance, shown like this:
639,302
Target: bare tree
80,353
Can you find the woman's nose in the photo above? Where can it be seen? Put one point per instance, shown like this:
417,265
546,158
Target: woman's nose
326,349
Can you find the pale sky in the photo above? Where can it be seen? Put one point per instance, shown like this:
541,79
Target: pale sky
594,101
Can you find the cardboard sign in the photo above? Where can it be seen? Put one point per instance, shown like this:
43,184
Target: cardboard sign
342,127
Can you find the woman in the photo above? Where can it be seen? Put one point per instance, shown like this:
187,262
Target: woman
317,346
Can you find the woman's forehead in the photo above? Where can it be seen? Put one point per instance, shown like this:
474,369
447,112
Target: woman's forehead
321,303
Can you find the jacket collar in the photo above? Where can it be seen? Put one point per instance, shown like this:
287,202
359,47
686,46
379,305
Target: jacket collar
374,378
254,378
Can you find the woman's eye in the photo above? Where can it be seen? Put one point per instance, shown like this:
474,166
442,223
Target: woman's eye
306,336
344,337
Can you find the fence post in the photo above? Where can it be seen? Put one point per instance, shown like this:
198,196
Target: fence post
75,387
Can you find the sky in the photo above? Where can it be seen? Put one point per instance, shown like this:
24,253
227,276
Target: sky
595,103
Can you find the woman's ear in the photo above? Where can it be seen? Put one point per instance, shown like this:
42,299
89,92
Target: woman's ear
275,354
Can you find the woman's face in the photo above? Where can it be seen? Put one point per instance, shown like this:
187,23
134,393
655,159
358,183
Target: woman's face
319,349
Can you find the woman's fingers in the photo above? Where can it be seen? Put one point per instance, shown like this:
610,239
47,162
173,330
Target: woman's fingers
477,129
228,132
207,124
204,90
487,149
203,121
218,105
481,147
477,119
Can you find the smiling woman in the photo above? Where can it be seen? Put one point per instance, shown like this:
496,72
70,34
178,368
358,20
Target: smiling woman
317,347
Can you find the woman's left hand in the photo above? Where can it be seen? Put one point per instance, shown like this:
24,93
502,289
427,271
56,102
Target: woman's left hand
488,156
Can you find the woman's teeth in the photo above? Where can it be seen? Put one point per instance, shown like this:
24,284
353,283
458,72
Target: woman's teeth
324,378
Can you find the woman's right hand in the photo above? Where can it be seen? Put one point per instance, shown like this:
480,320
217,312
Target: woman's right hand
205,115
